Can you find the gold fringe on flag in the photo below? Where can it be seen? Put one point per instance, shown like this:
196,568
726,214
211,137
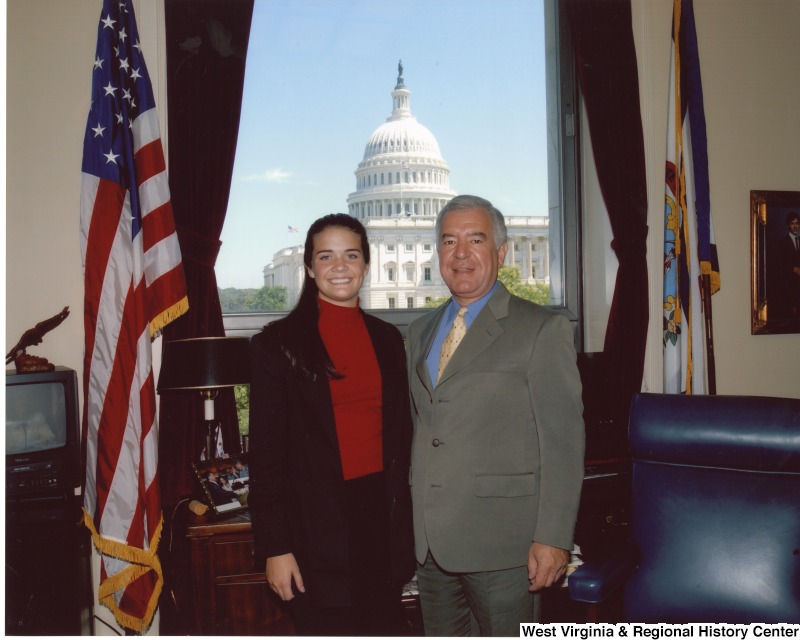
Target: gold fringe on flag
167,316
141,561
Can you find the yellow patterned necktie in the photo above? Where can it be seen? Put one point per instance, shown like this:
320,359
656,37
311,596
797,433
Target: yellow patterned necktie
450,343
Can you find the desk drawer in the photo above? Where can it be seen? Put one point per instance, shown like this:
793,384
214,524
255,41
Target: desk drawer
234,557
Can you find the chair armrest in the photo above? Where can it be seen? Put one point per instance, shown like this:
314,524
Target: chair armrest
599,577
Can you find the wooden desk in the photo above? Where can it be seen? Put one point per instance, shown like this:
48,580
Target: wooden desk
229,595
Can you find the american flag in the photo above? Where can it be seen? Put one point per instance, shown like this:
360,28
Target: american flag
133,286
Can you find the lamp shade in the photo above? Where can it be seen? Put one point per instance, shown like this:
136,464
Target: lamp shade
204,363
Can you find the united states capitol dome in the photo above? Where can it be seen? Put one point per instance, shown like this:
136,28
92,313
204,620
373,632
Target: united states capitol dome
402,135
402,171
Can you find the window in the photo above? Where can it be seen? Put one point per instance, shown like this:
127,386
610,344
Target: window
410,270
392,302
409,248
531,121
409,303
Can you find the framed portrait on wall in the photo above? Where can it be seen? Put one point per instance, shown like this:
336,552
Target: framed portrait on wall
775,262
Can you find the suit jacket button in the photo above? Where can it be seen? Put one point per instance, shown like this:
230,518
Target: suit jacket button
435,442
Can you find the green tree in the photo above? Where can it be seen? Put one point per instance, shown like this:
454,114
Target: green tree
235,300
435,302
272,299
230,299
241,394
538,293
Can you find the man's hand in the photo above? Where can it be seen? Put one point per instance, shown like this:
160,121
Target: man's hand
281,570
546,565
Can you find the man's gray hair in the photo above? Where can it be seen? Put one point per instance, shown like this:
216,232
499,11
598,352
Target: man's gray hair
474,202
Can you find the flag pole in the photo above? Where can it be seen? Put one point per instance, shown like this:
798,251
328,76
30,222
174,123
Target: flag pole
711,369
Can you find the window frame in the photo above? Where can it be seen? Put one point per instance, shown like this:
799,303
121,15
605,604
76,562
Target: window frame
563,113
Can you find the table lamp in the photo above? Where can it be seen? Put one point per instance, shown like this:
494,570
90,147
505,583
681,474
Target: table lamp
205,365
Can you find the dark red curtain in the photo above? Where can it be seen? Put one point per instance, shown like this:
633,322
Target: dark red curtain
602,39
206,52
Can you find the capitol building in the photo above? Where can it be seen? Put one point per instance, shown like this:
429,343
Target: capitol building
402,182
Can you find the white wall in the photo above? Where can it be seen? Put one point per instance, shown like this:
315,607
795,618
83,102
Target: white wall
50,49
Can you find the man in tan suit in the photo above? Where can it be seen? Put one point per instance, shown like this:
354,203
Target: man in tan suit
497,458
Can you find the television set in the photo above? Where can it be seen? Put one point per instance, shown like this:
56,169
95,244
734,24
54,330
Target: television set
43,442
48,550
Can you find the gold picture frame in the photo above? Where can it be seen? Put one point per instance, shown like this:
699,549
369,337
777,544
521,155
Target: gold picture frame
774,284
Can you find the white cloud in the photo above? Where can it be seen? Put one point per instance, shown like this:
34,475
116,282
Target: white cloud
273,176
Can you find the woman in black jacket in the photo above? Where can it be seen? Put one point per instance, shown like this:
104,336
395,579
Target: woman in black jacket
330,436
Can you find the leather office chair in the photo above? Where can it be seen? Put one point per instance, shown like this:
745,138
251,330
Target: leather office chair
715,514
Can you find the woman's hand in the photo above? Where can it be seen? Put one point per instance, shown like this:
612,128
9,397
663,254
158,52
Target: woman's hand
281,571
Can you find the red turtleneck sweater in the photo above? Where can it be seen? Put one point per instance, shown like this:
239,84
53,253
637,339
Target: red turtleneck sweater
357,405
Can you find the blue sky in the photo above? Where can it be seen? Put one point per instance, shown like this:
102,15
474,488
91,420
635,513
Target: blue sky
318,83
